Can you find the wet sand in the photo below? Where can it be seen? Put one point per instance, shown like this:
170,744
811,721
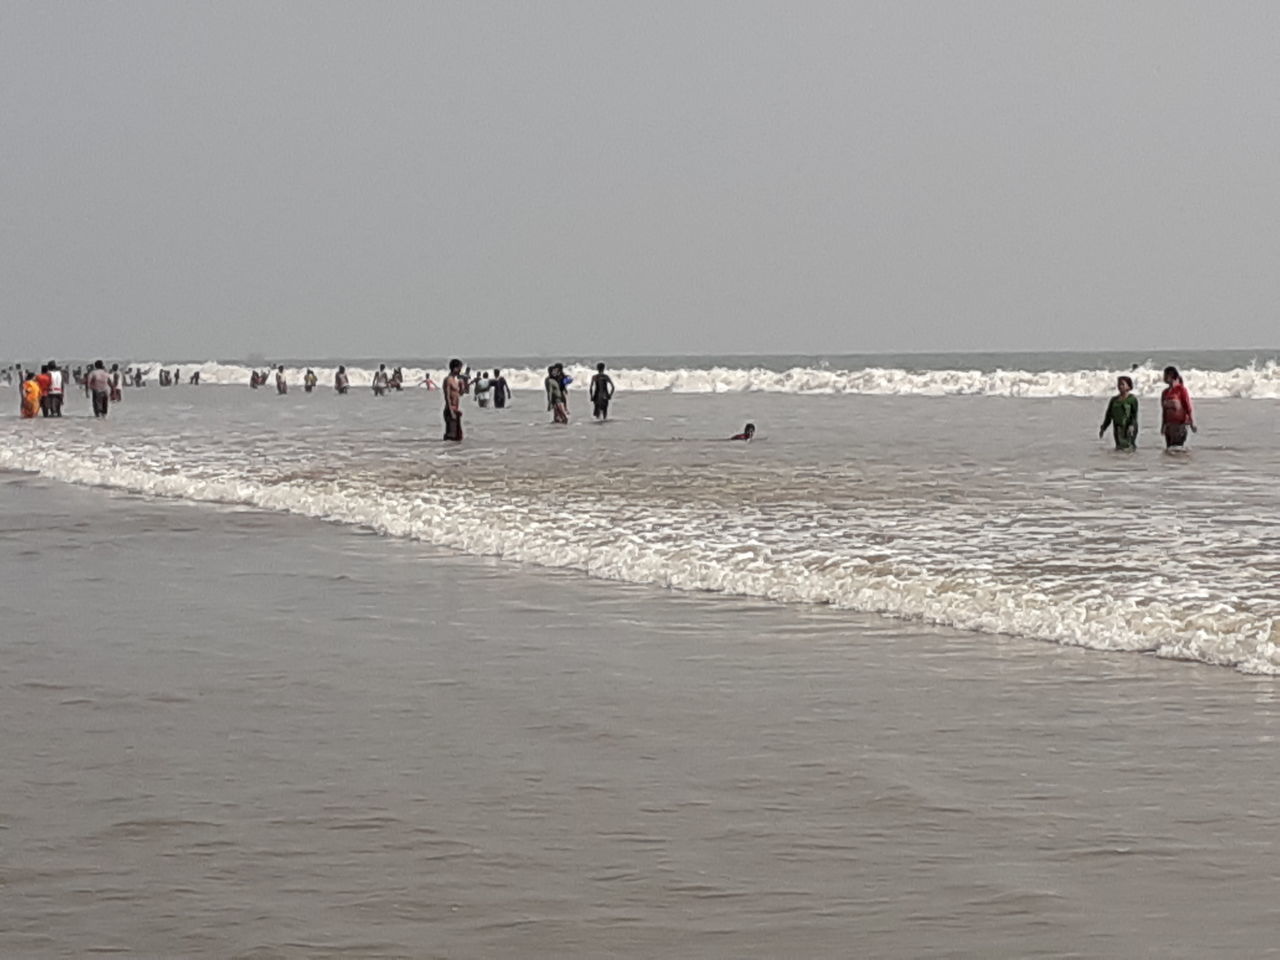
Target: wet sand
237,734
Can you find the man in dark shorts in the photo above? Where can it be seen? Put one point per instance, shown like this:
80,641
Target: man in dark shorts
454,388
98,383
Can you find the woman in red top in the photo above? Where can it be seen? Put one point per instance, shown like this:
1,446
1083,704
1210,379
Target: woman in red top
1175,406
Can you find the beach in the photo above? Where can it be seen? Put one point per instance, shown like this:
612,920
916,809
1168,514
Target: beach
904,677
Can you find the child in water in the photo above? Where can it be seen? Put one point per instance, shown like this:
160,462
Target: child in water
747,433
1122,415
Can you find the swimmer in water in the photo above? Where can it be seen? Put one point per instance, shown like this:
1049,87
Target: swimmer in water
747,433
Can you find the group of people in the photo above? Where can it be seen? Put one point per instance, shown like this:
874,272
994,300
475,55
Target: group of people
260,378
557,388
494,388
1176,413
383,381
168,379
485,387
43,393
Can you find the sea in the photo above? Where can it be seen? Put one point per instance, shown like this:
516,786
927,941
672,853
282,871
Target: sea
925,669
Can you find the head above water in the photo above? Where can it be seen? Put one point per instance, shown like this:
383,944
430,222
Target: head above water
1171,375
455,365
749,429
98,365
342,369
599,368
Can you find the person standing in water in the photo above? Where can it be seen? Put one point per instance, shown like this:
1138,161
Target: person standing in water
45,382
1175,408
481,385
454,387
98,383
282,387
601,393
501,392
340,381
309,381
555,395
31,397
115,383
1122,415
57,384
380,381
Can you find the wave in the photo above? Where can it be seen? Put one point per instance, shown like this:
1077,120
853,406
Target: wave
680,546
1252,382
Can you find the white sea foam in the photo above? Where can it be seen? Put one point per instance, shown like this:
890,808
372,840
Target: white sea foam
1254,382
749,551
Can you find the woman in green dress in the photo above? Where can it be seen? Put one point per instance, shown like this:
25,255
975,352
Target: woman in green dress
1122,416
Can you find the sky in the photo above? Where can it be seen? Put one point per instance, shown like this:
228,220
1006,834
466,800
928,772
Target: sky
198,180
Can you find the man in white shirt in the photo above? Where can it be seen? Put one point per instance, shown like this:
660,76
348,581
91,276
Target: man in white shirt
55,390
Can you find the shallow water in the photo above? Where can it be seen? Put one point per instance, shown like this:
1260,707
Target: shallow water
991,514
231,733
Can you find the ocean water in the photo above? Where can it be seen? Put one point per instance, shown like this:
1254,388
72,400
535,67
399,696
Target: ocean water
906,676
995,514
234,733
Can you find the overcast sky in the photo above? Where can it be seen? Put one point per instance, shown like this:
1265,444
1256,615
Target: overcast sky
194,180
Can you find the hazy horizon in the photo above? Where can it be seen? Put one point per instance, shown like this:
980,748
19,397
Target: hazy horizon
583,178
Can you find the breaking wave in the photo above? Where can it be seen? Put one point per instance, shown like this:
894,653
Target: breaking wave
1255,381
750,551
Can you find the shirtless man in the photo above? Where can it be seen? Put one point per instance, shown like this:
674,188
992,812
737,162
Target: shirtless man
601,393
454,387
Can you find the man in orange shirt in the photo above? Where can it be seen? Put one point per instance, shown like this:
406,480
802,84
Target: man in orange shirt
45,382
